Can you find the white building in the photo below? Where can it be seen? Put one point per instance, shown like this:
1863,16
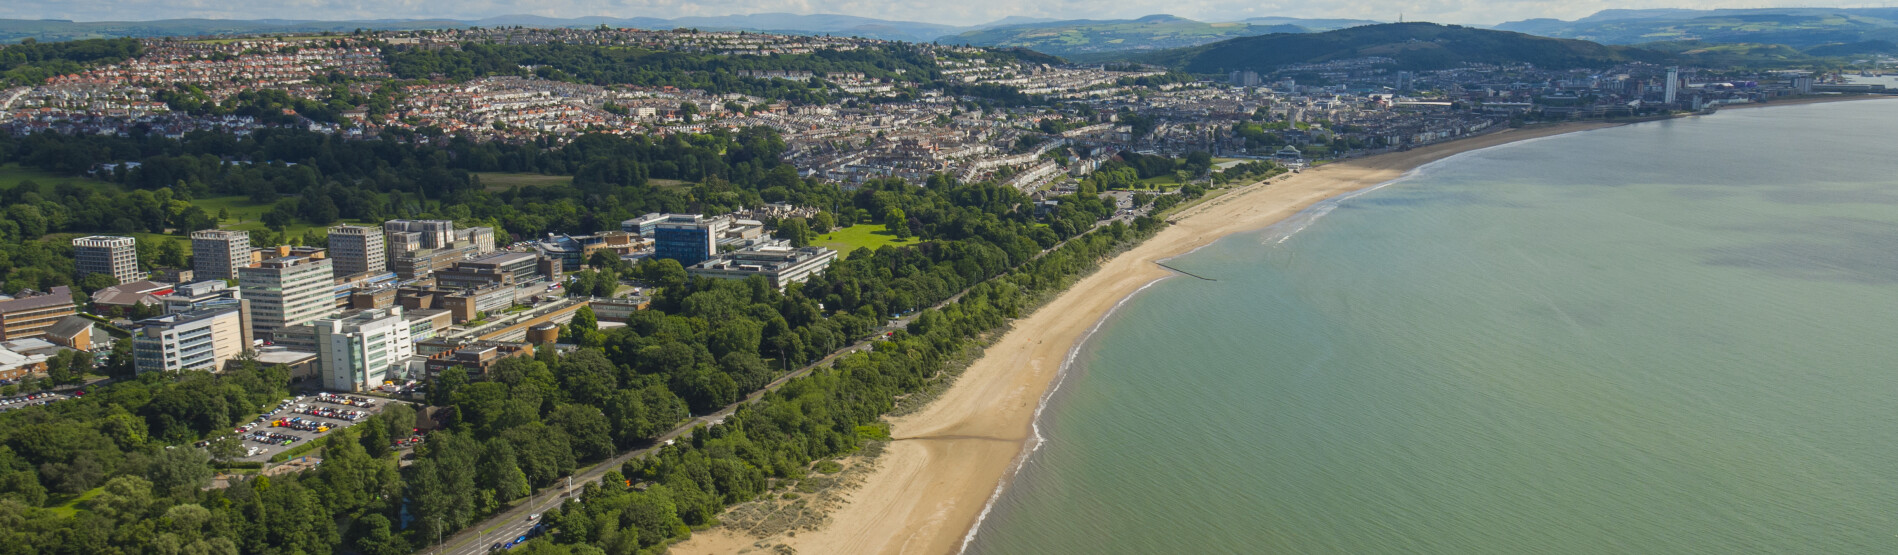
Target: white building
1672,92
217,254
196,340
361,350
780,265
287,291
114,256
195,295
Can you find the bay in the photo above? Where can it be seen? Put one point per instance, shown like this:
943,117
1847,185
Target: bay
1668,337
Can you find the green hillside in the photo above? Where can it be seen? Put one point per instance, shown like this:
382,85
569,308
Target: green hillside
1081,37
1418,46
1797,27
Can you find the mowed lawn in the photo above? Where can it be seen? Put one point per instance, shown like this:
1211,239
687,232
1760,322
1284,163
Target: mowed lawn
11,175
870,236
498,181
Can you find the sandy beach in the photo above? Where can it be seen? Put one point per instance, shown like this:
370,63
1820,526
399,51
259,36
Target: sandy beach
931,486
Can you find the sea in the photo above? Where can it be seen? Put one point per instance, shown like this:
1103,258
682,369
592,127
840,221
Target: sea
1668,337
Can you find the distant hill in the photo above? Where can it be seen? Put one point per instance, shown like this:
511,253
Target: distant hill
1413,46
1860,48
1085,37
1796,27
1312,24
1711,54
14,30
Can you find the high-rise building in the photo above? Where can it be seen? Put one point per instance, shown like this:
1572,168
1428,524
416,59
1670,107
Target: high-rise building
113,256
1673,88
429,234
29,315
361,350
217,254
356,250
688,238
288,291
201,339
418,247
1802,84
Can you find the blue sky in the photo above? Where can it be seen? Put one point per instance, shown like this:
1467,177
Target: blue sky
958,12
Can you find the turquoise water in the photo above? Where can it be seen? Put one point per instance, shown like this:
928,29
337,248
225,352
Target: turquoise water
1670,337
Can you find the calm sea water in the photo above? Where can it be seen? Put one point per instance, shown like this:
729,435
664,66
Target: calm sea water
1671,337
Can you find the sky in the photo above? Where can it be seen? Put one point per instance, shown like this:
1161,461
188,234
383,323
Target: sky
955,12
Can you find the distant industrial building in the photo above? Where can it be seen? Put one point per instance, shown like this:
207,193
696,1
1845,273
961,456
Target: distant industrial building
643,226
201,339
113,256
287,291
217,254
359,351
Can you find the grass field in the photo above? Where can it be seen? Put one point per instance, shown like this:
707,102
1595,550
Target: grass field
870,236
71,506
50,183
498,181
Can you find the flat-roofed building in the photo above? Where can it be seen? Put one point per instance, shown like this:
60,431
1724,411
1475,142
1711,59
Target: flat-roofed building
30,313
197,294
417,248
511,268
782,266
113,256
643,226
218,253
427,234
688,238
476,357
288,291
357,250
201,339
360,351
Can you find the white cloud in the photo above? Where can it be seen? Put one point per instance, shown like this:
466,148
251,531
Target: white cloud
961,12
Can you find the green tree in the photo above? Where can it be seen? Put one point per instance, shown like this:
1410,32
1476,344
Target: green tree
584,320
179,467
797,231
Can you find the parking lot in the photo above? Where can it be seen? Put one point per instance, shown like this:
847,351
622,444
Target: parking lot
303,419
31,399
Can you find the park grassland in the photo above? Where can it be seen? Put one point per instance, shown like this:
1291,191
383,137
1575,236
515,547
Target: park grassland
502,181
11,175
869,236
242,214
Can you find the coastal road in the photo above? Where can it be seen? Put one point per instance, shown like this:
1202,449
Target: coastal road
513,523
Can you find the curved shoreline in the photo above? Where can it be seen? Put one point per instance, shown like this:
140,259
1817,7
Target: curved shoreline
953,459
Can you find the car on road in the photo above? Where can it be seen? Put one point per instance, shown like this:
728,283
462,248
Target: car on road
535,516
